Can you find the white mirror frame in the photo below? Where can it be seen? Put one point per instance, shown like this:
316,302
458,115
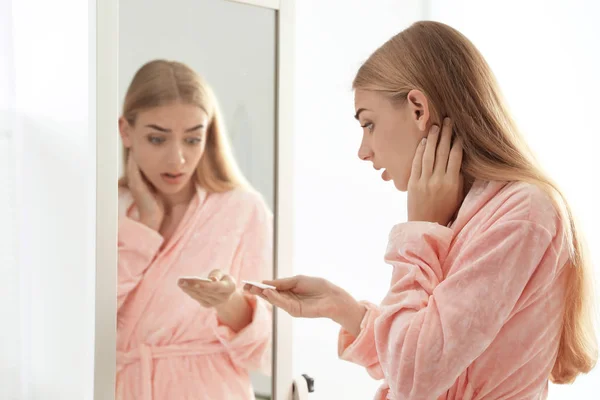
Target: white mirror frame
107,102
107,174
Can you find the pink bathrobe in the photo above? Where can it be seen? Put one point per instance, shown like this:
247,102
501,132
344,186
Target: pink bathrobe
168,346
474,311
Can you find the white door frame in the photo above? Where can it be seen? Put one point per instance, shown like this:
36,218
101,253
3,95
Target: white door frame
107,102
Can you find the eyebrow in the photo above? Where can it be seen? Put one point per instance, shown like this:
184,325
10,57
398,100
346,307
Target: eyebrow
161,129
358,112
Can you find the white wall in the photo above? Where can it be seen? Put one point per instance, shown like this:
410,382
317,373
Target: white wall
52,171
343,210
10,342
547,60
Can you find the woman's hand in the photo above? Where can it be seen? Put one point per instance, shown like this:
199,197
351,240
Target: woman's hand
151,208
435,187
230,304
309,297
215,293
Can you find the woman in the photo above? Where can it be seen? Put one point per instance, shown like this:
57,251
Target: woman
185,211
490,296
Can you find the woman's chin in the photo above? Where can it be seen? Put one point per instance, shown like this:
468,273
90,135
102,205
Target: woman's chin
173,188
401,186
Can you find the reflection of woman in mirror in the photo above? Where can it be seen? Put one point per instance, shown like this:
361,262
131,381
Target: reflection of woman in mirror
489,296
186,211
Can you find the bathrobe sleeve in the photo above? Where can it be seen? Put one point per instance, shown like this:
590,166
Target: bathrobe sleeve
428,329
137,245
250,348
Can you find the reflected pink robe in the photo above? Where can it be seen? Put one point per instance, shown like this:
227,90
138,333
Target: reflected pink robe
168,346
474,311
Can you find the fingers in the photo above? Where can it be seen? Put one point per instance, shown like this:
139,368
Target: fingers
198,287
228,279
129,163
131,170
455,158
193,283
438,156
225,281
215,275
284,283
224,286
253,289
429,154
132,166
278,300
135,180
201,296
443,148
204,301
208,294
417,166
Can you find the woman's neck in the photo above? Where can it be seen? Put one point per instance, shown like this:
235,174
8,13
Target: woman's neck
180,199
467,185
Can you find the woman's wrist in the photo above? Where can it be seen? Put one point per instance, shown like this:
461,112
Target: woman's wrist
236,312
152,223
349,314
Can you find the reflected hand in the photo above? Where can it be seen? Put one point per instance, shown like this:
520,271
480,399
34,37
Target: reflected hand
210,294
150,206
435,187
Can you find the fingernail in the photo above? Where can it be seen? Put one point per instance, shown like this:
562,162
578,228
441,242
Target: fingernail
435,129
423,141
446,121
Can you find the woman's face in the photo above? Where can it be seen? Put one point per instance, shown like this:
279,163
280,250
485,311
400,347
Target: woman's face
167,142
391,132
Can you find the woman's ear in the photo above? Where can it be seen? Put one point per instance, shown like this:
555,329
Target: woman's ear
419,109
124,131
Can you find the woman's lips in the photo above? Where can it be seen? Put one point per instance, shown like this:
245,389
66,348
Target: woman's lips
385,175
172,178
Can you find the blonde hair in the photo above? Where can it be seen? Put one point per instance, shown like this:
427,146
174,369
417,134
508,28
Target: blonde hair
161,82
458,83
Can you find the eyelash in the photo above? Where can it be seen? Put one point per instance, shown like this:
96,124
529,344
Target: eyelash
369,126
158,140
155,140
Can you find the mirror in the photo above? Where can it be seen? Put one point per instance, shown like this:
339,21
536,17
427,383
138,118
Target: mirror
178,336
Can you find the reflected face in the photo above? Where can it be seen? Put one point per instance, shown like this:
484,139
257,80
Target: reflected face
167,143
391,134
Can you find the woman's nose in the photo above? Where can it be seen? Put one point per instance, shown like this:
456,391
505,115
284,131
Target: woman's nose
364,153
176,156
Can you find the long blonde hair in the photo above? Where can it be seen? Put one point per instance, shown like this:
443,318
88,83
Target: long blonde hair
442,63
161,82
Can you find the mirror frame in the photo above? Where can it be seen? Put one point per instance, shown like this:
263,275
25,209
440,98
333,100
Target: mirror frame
104,30
106,63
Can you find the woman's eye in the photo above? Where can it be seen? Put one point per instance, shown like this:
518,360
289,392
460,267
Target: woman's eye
193,140
155,140
369,126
